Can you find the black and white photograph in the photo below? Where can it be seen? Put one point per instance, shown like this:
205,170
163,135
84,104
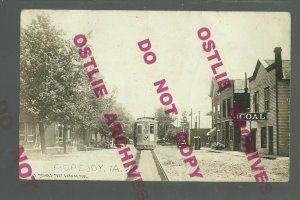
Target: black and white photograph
125,95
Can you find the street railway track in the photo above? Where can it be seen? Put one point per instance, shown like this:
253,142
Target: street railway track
159,167
149,166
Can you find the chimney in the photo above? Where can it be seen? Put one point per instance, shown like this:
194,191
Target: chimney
246,82
278,62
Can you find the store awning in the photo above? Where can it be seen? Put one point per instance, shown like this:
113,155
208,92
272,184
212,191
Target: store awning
211,132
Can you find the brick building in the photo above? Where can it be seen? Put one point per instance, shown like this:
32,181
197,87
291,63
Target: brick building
29,136
236,95
270,92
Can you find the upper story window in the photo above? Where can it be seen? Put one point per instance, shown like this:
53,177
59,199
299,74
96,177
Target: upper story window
228,107
256,101
224,108
267,98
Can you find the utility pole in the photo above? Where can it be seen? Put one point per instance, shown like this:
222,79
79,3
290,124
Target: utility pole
191,118
189,138
199,119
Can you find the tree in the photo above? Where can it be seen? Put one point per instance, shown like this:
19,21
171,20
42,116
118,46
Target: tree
54,87
125,119
50,74
164,122
171,133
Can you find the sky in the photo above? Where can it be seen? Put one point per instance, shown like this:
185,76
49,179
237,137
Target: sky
241,39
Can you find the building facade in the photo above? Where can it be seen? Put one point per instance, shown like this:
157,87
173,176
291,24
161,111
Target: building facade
223,129
270,93
29,136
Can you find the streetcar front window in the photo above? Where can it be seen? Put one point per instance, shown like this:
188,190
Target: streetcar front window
139,129
151,128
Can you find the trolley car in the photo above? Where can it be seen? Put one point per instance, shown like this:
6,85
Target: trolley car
145,133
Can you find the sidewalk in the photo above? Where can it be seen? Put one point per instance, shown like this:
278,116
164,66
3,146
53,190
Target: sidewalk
241,153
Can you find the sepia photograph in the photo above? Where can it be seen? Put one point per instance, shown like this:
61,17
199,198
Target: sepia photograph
125,95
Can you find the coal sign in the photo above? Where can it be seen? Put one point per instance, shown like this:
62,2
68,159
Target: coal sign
251,116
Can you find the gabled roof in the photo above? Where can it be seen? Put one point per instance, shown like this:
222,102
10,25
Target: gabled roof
286,67
238,85
269,65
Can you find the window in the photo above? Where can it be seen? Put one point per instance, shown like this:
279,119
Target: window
218,111
22,131
139,129
228,107
224,108
267,98
29,132
151,128
263,135
60,134
256,102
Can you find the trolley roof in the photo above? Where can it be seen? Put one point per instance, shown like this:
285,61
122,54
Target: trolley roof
145,119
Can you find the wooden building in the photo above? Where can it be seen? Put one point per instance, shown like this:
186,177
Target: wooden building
270,93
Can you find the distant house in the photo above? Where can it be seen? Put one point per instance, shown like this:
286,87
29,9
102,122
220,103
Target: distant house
270,93
223,129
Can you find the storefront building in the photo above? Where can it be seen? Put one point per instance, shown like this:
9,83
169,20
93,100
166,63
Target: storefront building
270,93
236,95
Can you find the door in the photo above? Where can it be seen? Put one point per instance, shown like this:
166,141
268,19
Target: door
270,131
253,138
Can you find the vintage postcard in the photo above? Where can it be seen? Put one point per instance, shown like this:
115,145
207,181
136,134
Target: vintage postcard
110,95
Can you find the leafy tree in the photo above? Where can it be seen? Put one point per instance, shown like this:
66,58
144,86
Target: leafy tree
164,122
50,75
54,87
125,119
171,133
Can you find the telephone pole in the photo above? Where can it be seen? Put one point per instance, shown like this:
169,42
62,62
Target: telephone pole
191,118
199,119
